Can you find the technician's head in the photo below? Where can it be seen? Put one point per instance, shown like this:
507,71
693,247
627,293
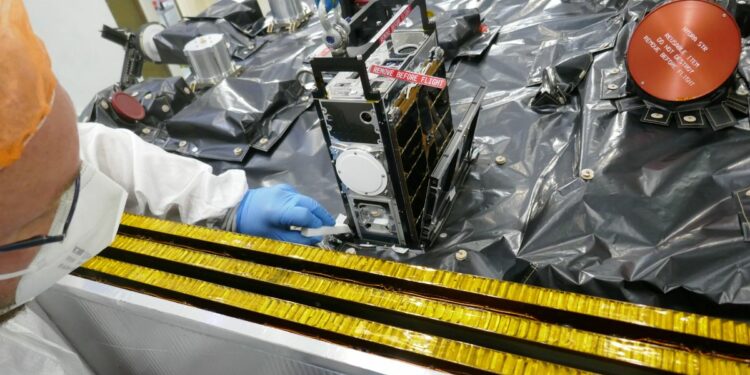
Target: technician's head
40,169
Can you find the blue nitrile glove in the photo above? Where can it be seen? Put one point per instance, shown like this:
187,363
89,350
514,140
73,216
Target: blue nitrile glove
329,4
270,211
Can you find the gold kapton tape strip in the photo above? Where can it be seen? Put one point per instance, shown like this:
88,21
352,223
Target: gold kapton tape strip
613,348
435,347
665,319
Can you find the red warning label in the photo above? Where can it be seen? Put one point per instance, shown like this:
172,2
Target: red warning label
395,24
420,79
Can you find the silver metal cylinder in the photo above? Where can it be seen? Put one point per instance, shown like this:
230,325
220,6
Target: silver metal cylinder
209,58
287,12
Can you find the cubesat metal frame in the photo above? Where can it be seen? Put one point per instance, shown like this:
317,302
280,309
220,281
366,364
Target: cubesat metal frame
397,155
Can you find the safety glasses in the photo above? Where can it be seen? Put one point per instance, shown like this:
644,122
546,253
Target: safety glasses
47,239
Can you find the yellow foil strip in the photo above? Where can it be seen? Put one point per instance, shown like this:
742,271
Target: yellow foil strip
411,341
613,348
694,324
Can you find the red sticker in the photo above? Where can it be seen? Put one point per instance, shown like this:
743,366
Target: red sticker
395,24
420,79
323,52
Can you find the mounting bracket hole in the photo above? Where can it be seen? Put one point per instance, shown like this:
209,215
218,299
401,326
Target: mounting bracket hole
366,117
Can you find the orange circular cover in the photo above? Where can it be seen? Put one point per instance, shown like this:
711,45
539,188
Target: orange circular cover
684,50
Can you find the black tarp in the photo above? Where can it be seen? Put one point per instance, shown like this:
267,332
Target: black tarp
656,225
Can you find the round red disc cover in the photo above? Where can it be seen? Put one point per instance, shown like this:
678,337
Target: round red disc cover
684,50
127,107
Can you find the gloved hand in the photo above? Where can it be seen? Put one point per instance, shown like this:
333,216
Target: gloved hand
329,4
270,211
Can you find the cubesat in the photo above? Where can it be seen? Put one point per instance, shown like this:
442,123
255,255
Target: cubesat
397,153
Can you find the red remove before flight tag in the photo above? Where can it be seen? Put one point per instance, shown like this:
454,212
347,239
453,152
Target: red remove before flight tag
420,79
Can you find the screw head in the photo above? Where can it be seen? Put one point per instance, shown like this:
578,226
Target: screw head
747,193
263,140
657,115
690,118
104,104
443,235
500,160
612,86
182,143
461,255
146,131
237,151
186,90
587,174
615,71
742,91
165,108
134,94
148,96
375,213
351,251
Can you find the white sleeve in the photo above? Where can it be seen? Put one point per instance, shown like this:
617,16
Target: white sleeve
159,183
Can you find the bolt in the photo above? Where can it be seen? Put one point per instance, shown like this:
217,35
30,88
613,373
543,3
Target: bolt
723,15
612,86
587,174
148,96
165,108
657,115
237,151
351,251
500,160
643,83
305,98
615,71
194,149
375,213
134,94
742,91
747,193
104,104
146,131
690,118
443,235
263,140
182,143
461,255
186,90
